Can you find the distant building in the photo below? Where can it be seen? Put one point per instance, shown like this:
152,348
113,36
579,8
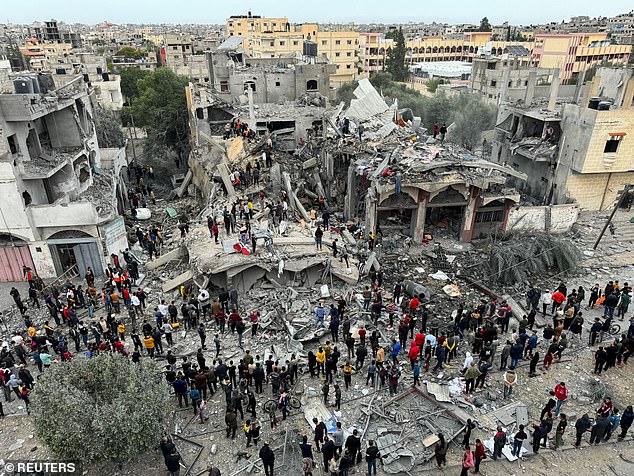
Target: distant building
577,52
50,32
276,37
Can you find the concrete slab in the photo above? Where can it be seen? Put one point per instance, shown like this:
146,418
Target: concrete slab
177,281
165,258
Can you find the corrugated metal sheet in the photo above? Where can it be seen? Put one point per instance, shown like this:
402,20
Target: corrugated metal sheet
12,258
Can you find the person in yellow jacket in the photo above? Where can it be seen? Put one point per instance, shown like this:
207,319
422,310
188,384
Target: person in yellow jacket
148,341
347,374
321,360
121,331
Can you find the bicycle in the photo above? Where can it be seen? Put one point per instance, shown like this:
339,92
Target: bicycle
615,329
274,403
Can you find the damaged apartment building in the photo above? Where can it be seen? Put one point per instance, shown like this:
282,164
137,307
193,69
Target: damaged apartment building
576,145
62,195
284,97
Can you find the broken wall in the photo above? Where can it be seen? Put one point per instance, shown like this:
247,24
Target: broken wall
549,219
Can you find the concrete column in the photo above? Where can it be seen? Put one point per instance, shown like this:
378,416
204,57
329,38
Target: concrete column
579,87
421,213
469,216
554,93
629,95
350,198
505,84
530,88
370,213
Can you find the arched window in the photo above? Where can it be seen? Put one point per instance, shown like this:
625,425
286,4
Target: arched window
312,85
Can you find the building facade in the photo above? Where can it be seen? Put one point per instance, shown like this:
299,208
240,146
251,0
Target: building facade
61,205
581,150
577,52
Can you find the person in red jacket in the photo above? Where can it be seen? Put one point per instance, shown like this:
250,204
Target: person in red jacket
558,297
234,317
414,351
413,305
479,454
420,340
561,393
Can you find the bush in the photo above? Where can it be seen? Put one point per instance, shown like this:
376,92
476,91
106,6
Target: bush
102,409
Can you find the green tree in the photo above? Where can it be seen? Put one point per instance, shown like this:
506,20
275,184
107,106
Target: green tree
161,108
345,92
470,113
472,117
108,128
130,78
129,52
432,84
485,25
102,409
395,61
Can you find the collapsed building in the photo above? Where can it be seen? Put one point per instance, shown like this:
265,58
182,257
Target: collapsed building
383,174
62,195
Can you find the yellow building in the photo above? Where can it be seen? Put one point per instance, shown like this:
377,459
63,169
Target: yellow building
434,48
276,37
577,52
39,53
248,25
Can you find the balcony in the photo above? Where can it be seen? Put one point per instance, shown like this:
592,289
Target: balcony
63,214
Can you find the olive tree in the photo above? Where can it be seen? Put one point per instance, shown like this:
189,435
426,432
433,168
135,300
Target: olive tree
105,408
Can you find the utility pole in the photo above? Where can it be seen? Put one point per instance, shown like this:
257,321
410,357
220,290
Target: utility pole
627,190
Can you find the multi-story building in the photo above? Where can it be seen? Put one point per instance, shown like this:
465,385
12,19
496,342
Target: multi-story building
511,78
270,80
249,25
580,150
180,57
577,52
62,196
426,49
276,37
94,70
49,32
39,54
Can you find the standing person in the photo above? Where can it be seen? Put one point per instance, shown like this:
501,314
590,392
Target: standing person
581,426
268,459
320,433
510,379
353,446
172,462
538,434
467,432
560,431
371,455
319,233
307,456
339,439
561,393
626,421
499,440
479,454
518,442
467,461
599,429
440,451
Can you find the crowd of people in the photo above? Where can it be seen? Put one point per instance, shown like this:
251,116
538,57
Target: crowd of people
491,336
